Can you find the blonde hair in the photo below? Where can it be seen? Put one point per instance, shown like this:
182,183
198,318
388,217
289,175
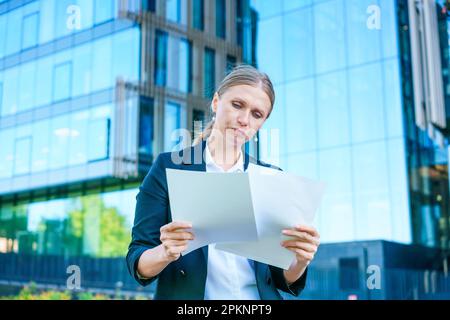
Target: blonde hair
241,75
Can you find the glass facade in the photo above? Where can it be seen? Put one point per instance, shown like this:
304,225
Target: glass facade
81,120
341,115
332,120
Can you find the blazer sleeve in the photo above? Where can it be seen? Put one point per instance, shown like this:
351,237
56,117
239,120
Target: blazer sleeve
280,282
151,214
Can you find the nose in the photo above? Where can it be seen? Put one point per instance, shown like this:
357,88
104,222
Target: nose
243,118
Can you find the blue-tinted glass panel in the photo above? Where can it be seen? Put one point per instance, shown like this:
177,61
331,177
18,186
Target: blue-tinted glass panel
86,10
366,103
102,64
7,153
221,18
27,86
176,11
1,96
389,28
172,122
198,11
98,147
60,134
179,68
364,42
63,23
298,43
104,10
161,58
266,8
336,211
10,91
47,14
62,76
300,116
332,110
329,36
371,191
289,5
79,138
44,84
126,55
209,72
149,5
270,53
82,70
3,20
41,146
392,95
146,127
30,29
22,155
13,32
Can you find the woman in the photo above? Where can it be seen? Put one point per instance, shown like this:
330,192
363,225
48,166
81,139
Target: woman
242,103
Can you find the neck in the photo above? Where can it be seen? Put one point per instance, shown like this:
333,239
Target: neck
223,153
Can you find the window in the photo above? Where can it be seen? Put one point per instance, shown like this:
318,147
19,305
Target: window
22,154
179,66
209,73
149,5
102,64
7,153
198,8
30,28
79,137
160,58
198,122
349,273
103,11
82,70
231,63
172,122
220,18
1,97
62,75
239,22
176,11
98,147
146,127
41,146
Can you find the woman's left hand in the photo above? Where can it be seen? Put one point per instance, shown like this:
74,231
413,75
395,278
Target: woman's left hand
304,243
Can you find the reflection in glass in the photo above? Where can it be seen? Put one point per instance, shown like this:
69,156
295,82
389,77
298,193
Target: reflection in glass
172,122
209,73
22,155
221,19
98,147
62,75
198,12
30,29
160,58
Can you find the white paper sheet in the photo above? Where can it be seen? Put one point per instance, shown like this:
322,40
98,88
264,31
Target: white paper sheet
280,201
218,205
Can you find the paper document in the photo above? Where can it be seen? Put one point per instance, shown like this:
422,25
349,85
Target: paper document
280,200
218,205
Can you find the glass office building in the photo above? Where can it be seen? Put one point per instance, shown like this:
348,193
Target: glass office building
90,92
345,114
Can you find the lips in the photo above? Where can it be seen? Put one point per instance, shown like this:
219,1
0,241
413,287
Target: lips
240,132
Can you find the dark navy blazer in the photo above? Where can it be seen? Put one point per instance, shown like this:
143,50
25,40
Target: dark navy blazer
185,278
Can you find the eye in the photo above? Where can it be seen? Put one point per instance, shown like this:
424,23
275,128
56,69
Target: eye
236,105
257,115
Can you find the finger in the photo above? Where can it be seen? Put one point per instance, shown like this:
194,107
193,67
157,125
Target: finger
177,236
309,229
301,236
175,243
176,250
301,245
174,225
302,253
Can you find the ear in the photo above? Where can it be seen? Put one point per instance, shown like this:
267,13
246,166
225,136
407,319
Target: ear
215,102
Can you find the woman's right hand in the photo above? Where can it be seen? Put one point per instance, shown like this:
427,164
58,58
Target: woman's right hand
174,238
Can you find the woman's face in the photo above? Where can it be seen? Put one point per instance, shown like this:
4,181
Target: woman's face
240,112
